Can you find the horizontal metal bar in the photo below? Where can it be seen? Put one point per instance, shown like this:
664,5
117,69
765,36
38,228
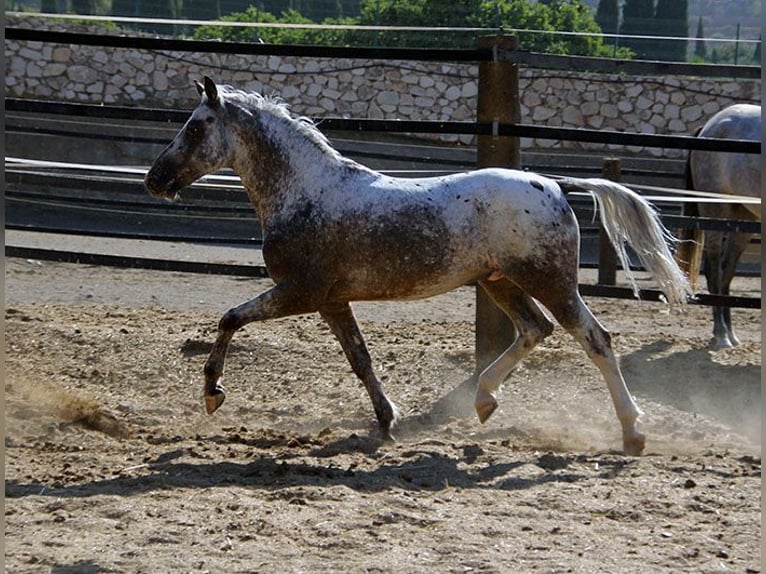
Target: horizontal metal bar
136,262
711,224
631,67
409,126
260,271
529,59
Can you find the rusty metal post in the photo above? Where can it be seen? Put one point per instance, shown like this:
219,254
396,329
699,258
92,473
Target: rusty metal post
607,258
498,102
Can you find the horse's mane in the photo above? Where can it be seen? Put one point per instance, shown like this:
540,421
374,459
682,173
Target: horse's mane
276,107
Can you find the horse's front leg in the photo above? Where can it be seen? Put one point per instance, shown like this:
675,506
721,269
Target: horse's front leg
343,324
279,301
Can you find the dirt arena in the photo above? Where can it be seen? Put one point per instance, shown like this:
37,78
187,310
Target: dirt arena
111,464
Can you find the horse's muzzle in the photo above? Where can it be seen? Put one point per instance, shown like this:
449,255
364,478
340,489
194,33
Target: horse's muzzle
158,186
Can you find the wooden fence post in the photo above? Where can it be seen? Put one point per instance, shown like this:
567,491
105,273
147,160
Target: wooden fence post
607,258
498,102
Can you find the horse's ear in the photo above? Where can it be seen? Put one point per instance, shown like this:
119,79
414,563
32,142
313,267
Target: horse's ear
211,91
200,87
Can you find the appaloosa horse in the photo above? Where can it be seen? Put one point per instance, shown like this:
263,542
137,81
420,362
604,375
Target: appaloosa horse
730,174
335,232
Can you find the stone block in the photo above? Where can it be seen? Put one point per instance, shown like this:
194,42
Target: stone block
61,54
572,116
388,98
677,126
159,81
589,109
624,106
469,90
33,70
644,103
542,113
54,70
452,93
691,113
609,111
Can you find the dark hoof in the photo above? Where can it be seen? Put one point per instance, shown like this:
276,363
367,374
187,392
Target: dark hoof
214,400
485,405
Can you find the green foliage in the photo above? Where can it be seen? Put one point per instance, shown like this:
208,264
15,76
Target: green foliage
509,16
420,13
271,35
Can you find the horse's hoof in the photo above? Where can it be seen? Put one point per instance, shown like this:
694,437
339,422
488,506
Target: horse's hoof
634,445
485,404
724,343
215,400
387,437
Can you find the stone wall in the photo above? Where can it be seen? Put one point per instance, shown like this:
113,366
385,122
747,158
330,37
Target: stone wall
355,88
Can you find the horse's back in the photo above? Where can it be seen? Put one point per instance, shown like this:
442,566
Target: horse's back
729,173
740,121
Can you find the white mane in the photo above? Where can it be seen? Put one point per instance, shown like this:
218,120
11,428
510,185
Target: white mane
277,108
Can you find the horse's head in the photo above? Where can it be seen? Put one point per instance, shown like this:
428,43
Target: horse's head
200,148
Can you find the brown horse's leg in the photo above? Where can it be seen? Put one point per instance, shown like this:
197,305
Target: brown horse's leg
532,325
279,301
343,324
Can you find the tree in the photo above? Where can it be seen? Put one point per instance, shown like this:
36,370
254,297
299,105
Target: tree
422,13
547,15
671,19
508,15
637,20
156,9
202,9
608,16
700,50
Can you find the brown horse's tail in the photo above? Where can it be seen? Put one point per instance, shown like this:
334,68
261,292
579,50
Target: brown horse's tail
691,242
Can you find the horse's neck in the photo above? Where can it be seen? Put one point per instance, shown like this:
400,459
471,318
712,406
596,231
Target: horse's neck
286,167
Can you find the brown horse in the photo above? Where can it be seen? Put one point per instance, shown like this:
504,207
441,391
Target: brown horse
335,232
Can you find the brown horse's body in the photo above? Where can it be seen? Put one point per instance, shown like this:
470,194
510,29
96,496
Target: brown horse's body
336,232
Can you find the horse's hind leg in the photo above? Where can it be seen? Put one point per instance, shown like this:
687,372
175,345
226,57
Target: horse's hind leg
724,252
343,324
532,325
572,313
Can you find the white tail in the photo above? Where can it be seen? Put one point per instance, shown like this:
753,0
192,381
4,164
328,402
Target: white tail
629,218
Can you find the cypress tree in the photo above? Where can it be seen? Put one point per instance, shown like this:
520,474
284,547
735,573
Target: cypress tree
49,7
671,19
700,50
638,20
608,16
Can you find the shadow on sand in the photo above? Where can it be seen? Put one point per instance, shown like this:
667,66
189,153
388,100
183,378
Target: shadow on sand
694,381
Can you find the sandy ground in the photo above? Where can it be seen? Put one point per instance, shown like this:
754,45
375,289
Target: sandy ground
112,465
